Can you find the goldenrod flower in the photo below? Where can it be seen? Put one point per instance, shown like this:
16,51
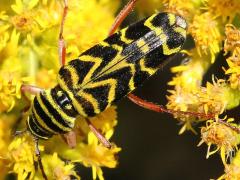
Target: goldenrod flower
207,39
6,123
224,138
232,43
190,75
55,168
94,155
80,37
232,170
10,84
185,8
214,98
225,9
234,69
232,40
46,78
106,121
21,154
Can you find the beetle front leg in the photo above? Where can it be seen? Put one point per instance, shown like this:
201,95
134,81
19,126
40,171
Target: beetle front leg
33,90
61,42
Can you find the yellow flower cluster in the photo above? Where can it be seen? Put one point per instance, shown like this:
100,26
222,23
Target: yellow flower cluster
29,55
219,134
232,171
21,154
206,28
210,23
232,44
10,84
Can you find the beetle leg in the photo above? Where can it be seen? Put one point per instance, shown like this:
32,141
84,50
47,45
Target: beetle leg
61,42
31,89
25,88
158,108
70,139
122,15
98,134
234,128
37,153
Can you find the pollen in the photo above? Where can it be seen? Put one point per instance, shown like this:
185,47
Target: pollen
23,22
232,38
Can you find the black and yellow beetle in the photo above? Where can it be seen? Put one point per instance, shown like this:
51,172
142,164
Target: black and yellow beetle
105,73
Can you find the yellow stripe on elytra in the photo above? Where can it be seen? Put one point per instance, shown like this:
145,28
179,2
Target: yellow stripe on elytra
103,43
50,115
131,84
180,31
121,65
123,36
166,49
74,76
117,47
143,46
148,23
147,69
90,99
62,83
169,51
112,65
172,19
96,60
112,84
114,46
